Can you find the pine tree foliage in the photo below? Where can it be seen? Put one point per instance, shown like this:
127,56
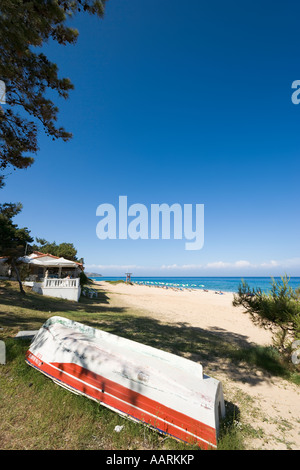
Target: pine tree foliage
62,250
28,75
277,310
13,240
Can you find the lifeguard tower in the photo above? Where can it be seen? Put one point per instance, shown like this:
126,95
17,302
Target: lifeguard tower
128,277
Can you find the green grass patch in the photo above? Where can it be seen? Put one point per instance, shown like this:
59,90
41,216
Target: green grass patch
268,358
118,281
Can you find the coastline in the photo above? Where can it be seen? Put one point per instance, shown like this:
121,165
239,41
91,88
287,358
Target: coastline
211,283
179,288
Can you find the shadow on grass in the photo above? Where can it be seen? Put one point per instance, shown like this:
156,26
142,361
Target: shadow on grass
32,310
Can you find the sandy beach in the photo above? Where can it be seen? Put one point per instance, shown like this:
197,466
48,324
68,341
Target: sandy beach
269,404
204,309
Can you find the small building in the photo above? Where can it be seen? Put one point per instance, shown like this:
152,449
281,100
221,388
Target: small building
49,275
43,266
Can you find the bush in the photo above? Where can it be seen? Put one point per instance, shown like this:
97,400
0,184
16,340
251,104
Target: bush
83,279
280,309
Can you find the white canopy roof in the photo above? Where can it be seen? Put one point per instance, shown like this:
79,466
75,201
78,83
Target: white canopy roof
49,261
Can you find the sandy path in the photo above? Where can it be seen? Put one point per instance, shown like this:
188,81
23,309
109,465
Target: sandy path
271,406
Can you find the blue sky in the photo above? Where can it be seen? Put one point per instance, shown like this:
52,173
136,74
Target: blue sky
176,102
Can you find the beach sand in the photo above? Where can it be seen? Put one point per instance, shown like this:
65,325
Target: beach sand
268,404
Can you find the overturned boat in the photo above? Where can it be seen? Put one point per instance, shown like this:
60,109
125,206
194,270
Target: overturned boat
162,390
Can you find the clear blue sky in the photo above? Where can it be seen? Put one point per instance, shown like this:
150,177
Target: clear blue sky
176,102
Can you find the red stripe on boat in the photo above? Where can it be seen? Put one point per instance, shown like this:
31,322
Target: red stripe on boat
84,381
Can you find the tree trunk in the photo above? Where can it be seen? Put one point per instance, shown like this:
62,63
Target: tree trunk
18,277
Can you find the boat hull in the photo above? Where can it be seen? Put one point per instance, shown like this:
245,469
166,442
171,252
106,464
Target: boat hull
164,391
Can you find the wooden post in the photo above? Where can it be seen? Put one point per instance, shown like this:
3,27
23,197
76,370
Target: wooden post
2,353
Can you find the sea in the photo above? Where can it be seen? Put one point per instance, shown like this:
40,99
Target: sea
223,284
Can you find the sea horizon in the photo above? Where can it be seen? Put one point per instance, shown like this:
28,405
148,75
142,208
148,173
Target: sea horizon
216,283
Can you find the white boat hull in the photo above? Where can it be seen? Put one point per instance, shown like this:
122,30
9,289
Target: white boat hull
164,391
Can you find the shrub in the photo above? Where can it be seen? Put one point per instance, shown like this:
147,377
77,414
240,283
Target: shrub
83,279
280,308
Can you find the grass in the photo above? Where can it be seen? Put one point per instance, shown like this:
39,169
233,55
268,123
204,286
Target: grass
118,281
37,414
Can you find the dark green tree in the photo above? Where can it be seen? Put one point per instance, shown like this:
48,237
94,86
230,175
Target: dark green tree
13,240
28,75
64,250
